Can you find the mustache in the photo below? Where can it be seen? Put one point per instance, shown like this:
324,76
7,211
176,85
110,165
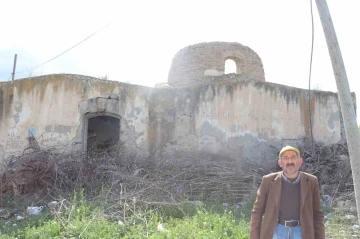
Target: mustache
290,164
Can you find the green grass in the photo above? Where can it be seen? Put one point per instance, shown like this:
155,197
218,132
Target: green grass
94,224
338,225
80,219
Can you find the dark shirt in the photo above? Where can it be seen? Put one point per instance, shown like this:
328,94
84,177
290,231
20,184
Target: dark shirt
290,199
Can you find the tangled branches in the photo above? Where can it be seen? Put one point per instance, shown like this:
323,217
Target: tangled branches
331,164
159,182
149,180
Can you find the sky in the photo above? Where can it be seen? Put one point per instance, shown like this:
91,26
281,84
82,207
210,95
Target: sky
143,36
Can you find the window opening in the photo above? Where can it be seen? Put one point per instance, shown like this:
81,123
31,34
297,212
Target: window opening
230,66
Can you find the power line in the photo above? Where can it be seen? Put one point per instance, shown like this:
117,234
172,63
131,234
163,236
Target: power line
69,48
309,92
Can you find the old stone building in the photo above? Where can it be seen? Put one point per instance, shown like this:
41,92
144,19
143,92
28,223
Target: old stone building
202,112
197,63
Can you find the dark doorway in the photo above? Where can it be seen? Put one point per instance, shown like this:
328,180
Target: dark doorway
103,135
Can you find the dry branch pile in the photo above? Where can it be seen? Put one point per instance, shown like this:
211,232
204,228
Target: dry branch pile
153,181
331,164
150,180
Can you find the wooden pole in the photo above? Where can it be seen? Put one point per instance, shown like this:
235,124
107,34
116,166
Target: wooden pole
14,68
344,95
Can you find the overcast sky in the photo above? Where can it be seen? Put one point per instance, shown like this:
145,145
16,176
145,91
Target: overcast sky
139,44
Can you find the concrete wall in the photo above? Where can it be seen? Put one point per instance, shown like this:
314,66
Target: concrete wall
48,108
231,118
198,63
239,119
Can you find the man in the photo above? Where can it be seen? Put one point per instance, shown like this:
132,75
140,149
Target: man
287,204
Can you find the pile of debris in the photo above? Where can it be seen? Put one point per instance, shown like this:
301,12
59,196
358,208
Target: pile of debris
148,180
156,181
39,171
331,164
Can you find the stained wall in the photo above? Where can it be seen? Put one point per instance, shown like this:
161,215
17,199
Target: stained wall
233,117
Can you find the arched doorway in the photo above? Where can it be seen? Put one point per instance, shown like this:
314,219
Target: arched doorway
103,132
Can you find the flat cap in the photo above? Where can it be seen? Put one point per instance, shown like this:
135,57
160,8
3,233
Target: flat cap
288,148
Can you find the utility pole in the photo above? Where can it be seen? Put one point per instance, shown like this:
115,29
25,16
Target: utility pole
13,73
344,95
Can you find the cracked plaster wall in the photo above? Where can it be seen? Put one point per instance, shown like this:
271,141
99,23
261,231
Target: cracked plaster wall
240,119
232,118
49,107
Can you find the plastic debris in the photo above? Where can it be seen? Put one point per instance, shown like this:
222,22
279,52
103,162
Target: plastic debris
34,210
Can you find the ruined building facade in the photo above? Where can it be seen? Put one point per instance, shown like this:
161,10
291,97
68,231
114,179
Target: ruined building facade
203,113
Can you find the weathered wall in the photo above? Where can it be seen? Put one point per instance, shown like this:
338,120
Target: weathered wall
198,63
47,107
238,119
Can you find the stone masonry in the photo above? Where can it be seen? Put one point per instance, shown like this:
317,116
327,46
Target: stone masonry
200,62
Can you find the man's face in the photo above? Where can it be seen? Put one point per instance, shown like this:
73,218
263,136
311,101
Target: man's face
290,163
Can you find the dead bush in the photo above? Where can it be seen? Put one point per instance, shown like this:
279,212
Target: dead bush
154,181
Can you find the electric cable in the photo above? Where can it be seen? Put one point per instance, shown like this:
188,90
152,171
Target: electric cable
309,91
68,49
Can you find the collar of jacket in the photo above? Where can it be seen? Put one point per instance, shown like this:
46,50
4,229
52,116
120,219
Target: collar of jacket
276,189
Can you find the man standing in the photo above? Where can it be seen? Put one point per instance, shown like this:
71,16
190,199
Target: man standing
288,204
